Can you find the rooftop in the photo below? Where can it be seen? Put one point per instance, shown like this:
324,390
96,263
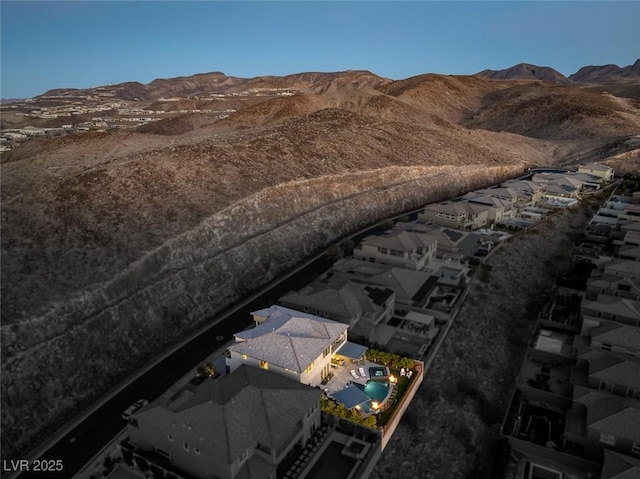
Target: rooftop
288,338
227,416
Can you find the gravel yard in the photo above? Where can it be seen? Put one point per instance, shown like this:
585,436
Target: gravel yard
450,428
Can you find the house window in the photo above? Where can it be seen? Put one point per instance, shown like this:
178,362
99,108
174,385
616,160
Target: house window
608,439
310,367
244,357
635,448
384,250
605,347
264,364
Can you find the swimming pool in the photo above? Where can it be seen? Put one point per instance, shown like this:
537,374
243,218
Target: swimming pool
376,390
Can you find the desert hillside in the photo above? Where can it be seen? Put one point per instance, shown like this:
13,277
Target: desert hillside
112,236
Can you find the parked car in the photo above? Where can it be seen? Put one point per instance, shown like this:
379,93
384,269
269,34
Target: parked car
126,415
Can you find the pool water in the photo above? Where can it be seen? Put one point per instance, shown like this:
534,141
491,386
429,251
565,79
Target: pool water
376,390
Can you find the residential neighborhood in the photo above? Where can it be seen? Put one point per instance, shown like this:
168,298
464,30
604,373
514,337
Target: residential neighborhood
317,385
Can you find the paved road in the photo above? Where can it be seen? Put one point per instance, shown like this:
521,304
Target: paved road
87,438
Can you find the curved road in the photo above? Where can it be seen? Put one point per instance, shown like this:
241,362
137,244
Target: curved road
88,437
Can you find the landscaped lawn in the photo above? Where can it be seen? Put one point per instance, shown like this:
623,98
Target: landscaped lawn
401,387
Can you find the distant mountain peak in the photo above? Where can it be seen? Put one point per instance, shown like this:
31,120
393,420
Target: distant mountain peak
526,71
610,73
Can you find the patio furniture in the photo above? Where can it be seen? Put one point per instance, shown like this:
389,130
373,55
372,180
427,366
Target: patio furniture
354,374
362,373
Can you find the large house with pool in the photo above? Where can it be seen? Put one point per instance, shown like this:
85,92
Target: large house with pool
313,351
290,343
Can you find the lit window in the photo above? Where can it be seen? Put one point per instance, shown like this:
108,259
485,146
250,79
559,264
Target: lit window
264,364
244,357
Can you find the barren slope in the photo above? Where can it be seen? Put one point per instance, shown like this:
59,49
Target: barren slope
140,236
569,115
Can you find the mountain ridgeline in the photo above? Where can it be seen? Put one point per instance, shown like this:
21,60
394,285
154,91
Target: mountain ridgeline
177,198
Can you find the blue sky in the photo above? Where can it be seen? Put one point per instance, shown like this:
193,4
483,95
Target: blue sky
80,44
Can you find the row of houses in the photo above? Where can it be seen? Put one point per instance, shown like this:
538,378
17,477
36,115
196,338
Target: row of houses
576,408
262,418
514,198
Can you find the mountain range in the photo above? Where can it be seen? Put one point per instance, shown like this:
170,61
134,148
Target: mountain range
601,75
132,213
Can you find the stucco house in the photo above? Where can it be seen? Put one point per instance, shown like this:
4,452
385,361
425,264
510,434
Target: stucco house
412,288
290,343
456,214
630,212
611,373
241,426
361,306
623,268
601,171
612,308
616,338
599,421
600,283
619,466
526,187
500,209
404,249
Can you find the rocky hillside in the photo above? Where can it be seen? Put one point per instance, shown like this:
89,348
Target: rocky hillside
127,240
526,71
556,113
607,74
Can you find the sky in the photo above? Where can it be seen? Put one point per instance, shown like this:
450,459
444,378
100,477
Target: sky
81,44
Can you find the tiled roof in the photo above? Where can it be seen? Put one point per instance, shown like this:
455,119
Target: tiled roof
626,373
522,185
618,335
486,199
339,296
619,466
612,369
623,266
504,192
288,338
405,282
457,208
623,307
614,417
401,240
225,417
